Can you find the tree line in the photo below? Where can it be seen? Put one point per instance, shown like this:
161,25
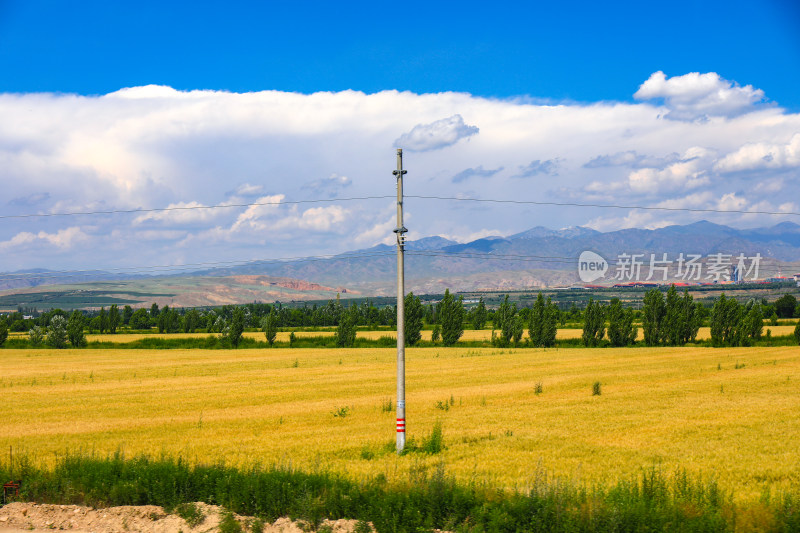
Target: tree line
669,319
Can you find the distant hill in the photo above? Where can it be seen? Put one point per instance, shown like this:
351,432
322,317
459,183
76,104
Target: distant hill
534,258
551,253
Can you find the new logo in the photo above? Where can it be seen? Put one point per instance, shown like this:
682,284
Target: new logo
591,266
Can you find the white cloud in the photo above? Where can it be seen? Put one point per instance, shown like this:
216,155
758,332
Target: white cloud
151,147
63,239
269,206
754,156
688,173
439,134
179,213
696,95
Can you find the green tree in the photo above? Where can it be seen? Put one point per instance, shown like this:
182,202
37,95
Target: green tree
346,330
127,313
413,319
653,313
75,326
103,320
593,323
3,330
551,317
113,318
620,324
673,326
451,316
191,321
785,305
536,321
36,336
57,332
693,314
436,334
234,328
726,322
797,332
140,320
270,326
479,315
753,322
505,320
154,311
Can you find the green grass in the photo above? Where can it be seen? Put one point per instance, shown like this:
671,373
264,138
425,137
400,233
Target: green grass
651,502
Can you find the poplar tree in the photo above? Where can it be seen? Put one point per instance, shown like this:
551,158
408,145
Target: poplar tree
505,321
620,324
593,323
346,330
270,326
451,317
75,333
653,312
479,315
113,318
753,322
413,319
536,322
103,320
550,330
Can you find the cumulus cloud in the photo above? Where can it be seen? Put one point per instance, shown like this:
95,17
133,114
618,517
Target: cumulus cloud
179,213
698,96
477,172
536,167
754,156
151,147
63,239
436,135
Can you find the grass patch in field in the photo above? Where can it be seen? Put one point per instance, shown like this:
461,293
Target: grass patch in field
650,501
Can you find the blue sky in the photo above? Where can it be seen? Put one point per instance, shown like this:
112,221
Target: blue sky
578,50
130,105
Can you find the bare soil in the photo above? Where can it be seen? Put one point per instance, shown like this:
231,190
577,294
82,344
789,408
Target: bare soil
17,516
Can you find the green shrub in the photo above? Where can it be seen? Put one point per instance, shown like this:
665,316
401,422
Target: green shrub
191,513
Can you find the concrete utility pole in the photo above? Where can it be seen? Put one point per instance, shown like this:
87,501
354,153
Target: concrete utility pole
401,337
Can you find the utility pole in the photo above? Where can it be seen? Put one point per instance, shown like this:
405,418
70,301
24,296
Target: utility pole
401,336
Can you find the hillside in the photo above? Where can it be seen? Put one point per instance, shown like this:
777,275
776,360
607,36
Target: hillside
534,258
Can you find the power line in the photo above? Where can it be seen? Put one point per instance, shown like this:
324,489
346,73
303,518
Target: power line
420,197
606,206
194,207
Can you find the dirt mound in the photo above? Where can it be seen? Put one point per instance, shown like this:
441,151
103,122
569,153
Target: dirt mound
16,517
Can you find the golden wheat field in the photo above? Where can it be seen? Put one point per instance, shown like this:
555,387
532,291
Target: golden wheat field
731,414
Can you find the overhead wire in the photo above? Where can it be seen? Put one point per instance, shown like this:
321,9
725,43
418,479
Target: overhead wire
195,207
384,197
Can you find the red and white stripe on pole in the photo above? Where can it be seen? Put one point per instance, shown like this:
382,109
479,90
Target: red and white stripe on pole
401,425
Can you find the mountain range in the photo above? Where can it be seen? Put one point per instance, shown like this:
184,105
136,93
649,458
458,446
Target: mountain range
534,258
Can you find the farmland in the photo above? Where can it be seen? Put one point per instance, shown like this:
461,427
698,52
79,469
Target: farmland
726,413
